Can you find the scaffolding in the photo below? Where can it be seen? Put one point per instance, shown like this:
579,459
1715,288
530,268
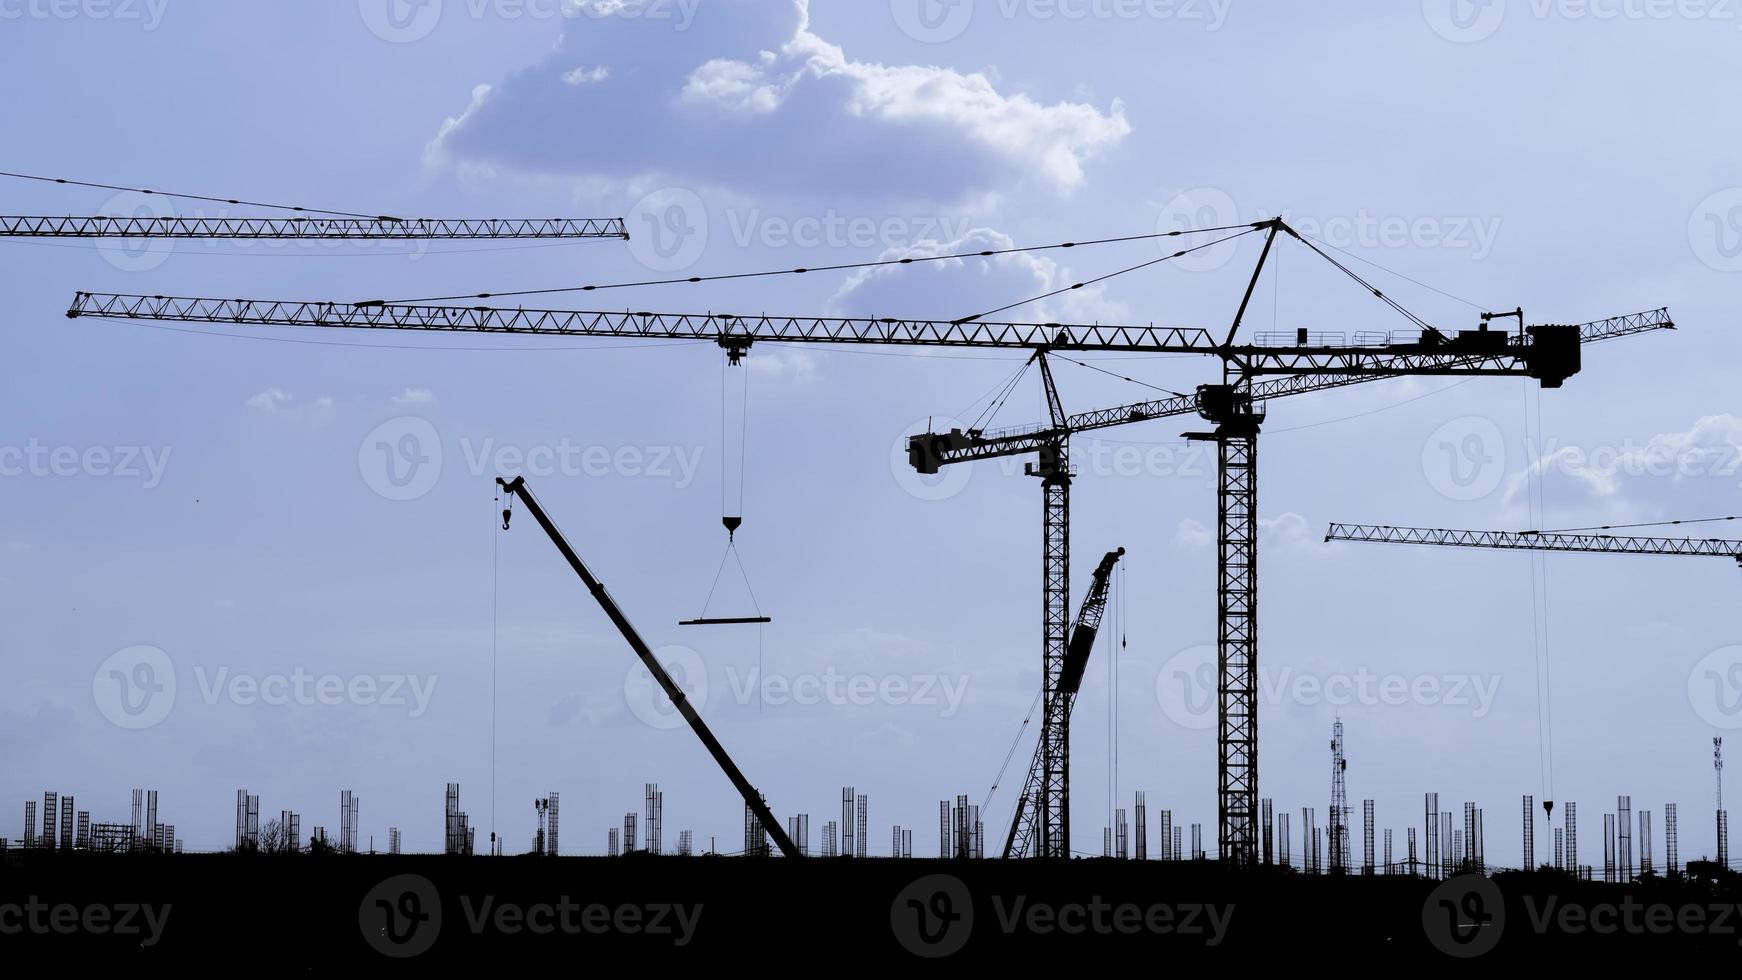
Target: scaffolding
29,823
655,805
1122,835
1571,821
683,843
1671,854
1367,838
1624,828
1645,842
1282,855
1529,862
611,848
1268,817
1142,842
1431,839
551,844
1559,849
1388,850
50,802
861,828
847,821
1170,850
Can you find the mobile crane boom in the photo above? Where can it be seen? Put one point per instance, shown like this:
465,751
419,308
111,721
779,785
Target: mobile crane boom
517,488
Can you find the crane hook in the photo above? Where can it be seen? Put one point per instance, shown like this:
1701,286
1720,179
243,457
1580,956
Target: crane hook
507,515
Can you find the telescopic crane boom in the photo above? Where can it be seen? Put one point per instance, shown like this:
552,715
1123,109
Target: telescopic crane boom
1029,819
752,799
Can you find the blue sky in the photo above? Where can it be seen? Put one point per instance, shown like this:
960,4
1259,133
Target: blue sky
1576,160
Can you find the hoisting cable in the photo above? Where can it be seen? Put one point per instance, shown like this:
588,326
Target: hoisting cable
1375,290
1114,374
200,197
986,804
731,517
1394,272
1538,609
495,642
802,270
1101,279
1629,527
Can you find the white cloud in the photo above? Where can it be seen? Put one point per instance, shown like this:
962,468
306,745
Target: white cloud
759,102
963,287
1286,530
1709,450
797,366
414,396
584,75
277,402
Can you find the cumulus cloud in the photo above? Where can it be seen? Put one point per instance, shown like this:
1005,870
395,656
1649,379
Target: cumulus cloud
758,102
414,396
278,402
966,287
1707,454
1285,530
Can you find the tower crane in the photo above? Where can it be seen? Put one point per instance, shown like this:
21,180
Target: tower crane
1237,408
1031,806
1548,353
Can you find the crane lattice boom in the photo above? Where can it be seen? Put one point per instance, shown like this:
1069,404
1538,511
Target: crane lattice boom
1538,541
322,229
